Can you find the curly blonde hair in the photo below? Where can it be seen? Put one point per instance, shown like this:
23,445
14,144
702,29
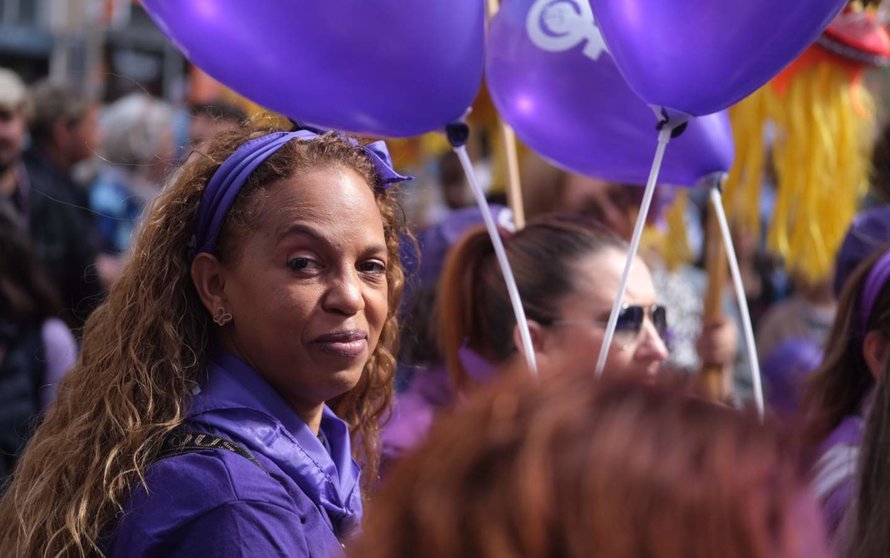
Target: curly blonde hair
144,348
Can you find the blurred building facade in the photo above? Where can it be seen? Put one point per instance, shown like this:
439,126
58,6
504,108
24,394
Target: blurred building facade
108,47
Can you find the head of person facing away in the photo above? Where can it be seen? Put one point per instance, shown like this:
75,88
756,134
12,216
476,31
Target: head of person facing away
550,189
865,533
567,271
310,244
573,466
211,119
855,348
137,136
65,126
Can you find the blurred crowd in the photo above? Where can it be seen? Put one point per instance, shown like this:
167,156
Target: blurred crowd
75,179
478,458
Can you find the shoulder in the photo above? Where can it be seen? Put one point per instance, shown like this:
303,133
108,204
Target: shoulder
218,476
835,467
204,498
42,177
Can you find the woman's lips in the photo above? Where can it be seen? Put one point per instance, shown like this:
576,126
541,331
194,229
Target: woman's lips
347,344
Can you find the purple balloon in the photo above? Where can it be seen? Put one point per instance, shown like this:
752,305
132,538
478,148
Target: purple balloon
390,68
552,79
701,56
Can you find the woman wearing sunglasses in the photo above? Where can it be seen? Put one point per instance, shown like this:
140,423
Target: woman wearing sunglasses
567,270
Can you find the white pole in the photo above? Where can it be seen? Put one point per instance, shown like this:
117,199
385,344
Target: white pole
521,322
748,330
664,136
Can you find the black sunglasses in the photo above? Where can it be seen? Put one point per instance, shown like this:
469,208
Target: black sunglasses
630,319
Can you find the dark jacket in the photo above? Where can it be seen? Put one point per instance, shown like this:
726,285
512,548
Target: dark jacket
21,375
65,237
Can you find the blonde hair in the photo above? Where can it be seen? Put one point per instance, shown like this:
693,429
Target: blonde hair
823,118
144,350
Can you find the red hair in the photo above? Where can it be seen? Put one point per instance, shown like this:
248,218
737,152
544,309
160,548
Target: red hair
576,467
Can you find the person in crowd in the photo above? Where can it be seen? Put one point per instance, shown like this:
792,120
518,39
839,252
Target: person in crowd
15,110
865,533
880,166
785,371
64,131
869,231
694,341
808,313
567,302
567,271
577,466
36,347
250,336
428,390
838,391
137,152
209,120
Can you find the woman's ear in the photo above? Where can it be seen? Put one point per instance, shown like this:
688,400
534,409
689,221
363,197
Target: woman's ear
874,350
541,342
209,282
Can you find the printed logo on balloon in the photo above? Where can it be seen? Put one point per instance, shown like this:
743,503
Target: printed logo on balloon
559,25
553,80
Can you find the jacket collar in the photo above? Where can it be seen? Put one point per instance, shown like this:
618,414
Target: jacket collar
236,399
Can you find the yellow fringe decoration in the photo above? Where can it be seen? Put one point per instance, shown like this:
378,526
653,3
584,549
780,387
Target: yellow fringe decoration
821,120
672,242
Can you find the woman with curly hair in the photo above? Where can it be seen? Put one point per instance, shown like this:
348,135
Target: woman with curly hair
250,337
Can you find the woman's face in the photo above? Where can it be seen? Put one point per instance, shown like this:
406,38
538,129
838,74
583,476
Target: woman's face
308,293
586,310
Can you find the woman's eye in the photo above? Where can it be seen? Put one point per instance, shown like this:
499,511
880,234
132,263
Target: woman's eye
373,266
301,264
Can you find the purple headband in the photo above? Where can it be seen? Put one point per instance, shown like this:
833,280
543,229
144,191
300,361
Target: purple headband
874,284
222,189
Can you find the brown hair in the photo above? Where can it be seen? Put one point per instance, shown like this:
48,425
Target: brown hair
838,386
868,535
474,306
575,467
27,297
544,186
56,101
145,347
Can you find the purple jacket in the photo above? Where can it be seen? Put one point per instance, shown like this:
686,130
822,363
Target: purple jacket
414,412
302,501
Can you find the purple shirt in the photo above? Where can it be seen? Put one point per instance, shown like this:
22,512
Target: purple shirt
60,351
414,412
834,474
302,501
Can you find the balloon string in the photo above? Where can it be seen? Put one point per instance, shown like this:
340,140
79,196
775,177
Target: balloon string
748,330
664,136
518,310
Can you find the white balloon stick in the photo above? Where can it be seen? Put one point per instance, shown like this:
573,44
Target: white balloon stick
664,136
521,321
748,330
